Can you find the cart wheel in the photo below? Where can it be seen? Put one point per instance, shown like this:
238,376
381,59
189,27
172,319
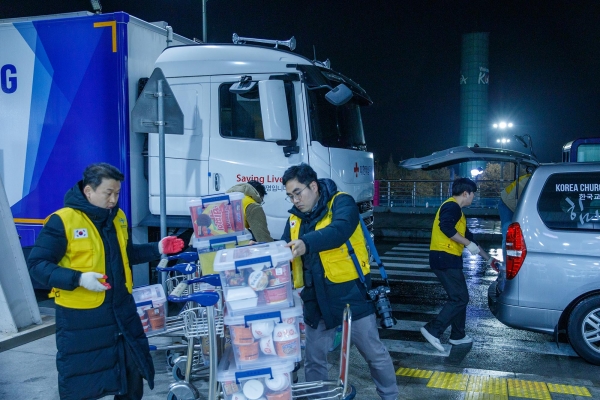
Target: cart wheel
171,357
182,391
352,393
179,365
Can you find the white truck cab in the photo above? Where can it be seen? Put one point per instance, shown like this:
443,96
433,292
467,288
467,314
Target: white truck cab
250,112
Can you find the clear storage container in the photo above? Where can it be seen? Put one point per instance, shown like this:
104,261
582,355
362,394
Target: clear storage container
270,382
256,278
215,215
207,247
150,302
260,339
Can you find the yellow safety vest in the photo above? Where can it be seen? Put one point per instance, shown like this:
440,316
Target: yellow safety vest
85,253
441,242
337,263
508,194
246,201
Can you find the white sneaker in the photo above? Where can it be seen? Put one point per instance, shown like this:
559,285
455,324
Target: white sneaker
435,342
465,340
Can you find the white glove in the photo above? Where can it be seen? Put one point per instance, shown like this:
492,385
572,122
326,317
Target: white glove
473,248
89,280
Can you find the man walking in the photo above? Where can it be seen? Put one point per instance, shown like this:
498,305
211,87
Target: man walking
322,223
449,237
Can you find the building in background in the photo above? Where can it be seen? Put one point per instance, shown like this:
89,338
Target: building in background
474,82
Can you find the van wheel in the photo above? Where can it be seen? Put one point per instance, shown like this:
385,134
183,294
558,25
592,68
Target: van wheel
584,329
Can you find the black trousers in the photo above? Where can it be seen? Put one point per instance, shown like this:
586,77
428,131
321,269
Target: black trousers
454,312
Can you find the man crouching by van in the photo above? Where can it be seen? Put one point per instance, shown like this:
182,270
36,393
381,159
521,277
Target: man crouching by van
84,253
323,221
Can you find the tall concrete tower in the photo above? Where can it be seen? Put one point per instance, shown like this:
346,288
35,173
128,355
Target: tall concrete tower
474,82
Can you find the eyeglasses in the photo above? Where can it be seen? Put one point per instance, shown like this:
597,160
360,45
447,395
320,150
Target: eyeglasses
295,196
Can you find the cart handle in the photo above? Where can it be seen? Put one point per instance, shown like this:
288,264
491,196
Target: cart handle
186,268
188,256
204,299
213,280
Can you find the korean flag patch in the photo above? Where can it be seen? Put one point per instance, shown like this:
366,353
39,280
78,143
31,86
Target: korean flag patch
80,233
292,223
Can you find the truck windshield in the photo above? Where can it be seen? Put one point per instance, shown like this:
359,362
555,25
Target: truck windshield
332,126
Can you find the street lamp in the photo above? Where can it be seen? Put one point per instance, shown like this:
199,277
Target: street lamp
503,141
502,125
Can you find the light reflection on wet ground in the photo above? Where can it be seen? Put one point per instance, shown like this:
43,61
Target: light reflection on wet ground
484,226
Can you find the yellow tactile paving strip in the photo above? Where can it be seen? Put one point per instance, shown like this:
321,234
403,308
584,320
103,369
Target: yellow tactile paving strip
568,389
415,373
447,380
484,396
528,389
477,387
487,384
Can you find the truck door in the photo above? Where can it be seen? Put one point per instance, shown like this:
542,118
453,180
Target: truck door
186,156
239,149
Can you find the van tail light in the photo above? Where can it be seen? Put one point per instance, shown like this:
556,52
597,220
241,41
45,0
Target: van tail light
516,250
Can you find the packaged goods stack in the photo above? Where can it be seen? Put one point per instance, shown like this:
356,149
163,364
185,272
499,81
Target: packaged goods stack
218,222
262,314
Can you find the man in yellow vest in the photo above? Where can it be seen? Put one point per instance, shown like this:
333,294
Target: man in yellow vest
84,253
449,237
322,223
254,216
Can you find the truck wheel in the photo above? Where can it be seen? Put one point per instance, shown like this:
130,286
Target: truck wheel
584,329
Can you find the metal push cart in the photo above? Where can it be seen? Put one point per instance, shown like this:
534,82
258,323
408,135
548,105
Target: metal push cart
338,389
174,325
202,319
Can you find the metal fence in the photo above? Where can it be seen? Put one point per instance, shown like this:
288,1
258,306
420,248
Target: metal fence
430,193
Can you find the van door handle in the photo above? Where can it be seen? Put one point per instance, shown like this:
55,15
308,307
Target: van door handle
217,182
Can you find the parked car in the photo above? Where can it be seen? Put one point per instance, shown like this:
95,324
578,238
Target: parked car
550,281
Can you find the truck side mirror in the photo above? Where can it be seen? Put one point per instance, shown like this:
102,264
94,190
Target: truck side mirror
339,95
274,111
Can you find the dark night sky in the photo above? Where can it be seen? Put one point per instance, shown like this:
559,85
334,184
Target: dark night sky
544,58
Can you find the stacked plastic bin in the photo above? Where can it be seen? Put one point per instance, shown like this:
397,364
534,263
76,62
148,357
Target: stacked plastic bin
150,302
262,314
218,222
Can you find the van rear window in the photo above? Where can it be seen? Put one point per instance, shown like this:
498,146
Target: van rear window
571,201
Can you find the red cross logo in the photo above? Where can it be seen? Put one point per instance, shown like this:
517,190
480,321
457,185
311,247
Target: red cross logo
356,169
